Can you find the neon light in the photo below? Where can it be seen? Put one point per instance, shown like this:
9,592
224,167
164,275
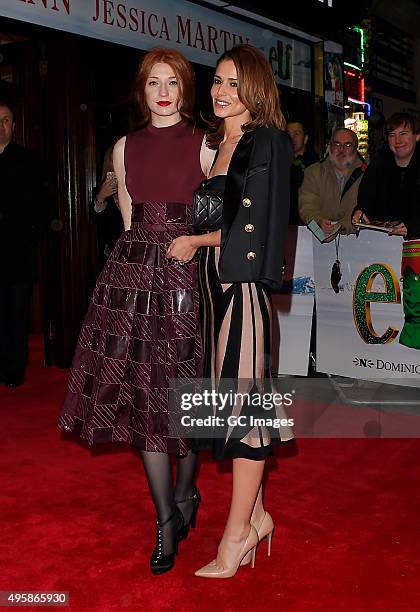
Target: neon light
362,42
357,101
352,66
349,73
362,89
362,103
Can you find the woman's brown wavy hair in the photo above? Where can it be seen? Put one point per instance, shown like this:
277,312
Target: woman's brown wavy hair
184,73
257,90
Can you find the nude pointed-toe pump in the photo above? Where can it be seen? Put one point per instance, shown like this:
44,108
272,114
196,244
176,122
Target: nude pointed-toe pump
249,547
264,530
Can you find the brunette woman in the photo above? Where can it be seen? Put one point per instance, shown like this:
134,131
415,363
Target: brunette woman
239,266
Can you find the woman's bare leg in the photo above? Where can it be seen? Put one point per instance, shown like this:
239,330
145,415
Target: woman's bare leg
246,485
258,511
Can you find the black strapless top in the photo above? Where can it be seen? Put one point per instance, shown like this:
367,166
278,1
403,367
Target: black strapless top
215,183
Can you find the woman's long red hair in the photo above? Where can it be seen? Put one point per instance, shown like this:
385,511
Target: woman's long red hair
184,73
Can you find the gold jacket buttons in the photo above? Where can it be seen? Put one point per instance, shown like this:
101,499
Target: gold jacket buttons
249,227
251,255
246,202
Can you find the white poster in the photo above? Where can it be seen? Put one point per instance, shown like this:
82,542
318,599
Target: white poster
358,328
198,32
292,308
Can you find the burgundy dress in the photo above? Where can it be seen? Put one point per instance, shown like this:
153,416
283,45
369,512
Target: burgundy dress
141,328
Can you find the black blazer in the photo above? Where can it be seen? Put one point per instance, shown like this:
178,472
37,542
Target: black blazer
390,193
256,209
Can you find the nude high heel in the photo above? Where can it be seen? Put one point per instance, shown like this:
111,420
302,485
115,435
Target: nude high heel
249,548
264,530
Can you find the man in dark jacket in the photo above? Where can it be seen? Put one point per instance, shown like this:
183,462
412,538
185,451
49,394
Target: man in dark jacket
21,223
390,191
304,156
390,187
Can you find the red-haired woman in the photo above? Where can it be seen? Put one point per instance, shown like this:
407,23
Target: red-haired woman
141,329
238,269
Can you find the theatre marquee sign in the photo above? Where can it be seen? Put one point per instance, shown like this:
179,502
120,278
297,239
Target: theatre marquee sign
198,32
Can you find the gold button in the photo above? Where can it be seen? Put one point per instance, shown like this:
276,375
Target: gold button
249,227
251,255
246,202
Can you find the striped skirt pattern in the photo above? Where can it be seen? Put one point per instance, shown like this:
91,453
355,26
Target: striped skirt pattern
236,323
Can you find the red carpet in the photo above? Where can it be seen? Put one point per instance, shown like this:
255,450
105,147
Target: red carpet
347,515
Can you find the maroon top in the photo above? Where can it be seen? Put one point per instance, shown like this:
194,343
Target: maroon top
172,153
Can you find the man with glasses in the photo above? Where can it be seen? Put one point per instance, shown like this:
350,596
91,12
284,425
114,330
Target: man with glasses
328,194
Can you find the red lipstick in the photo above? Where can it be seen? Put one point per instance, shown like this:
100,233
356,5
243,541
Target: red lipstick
164,103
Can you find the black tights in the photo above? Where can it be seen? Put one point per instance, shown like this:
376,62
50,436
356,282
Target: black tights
159,476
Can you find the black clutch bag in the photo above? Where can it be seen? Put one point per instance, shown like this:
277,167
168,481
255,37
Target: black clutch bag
207,210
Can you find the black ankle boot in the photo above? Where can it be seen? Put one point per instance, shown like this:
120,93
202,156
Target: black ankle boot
193,504
159,562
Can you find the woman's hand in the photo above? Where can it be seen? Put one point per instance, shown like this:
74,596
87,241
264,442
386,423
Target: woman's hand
182,249
108,188
398,230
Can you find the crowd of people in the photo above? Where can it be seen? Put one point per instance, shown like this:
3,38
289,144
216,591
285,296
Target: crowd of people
175,302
